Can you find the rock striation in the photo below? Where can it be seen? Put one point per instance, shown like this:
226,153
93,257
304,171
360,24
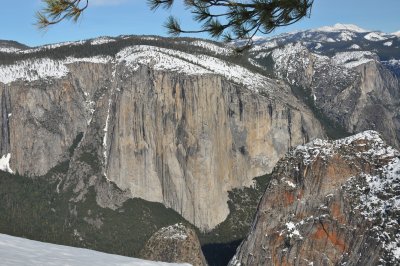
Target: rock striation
161,124
175,243
329,203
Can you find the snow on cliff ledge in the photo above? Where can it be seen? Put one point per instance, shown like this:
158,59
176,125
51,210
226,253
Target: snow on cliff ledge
15,251
5,163
327,148
44,68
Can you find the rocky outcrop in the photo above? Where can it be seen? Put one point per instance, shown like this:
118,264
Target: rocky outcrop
175,243
161,124
329,203
378,105
351,88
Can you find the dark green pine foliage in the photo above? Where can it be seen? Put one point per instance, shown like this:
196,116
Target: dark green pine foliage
233,20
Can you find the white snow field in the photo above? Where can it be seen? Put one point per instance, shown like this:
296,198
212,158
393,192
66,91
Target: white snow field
16,251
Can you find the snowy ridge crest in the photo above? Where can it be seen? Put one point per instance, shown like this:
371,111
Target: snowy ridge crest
354,58
341,27
167,59
326,148
49,47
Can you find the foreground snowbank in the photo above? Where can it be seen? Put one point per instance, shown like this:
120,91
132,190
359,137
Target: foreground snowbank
19,251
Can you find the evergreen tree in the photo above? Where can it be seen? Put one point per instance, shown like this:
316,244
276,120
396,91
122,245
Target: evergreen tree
220,18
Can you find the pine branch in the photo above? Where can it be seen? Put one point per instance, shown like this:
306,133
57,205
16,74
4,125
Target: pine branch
57,10
228,19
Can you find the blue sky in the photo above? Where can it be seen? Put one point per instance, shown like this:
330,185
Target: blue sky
116,17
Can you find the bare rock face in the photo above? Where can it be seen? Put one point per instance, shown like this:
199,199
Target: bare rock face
329,203
41,118
186,141
175,243
160,124
352,88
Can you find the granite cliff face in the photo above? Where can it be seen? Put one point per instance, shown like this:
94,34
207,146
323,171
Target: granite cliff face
348,74
175,243
329,203
161,124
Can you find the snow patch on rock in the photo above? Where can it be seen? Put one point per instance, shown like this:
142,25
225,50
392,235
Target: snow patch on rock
354,47
353,59
379,202
375,36
5,163
292,230
318,46
176,231
389,43
289,183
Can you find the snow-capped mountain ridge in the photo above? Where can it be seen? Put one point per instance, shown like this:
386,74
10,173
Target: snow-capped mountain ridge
341,27
329,38
346,31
